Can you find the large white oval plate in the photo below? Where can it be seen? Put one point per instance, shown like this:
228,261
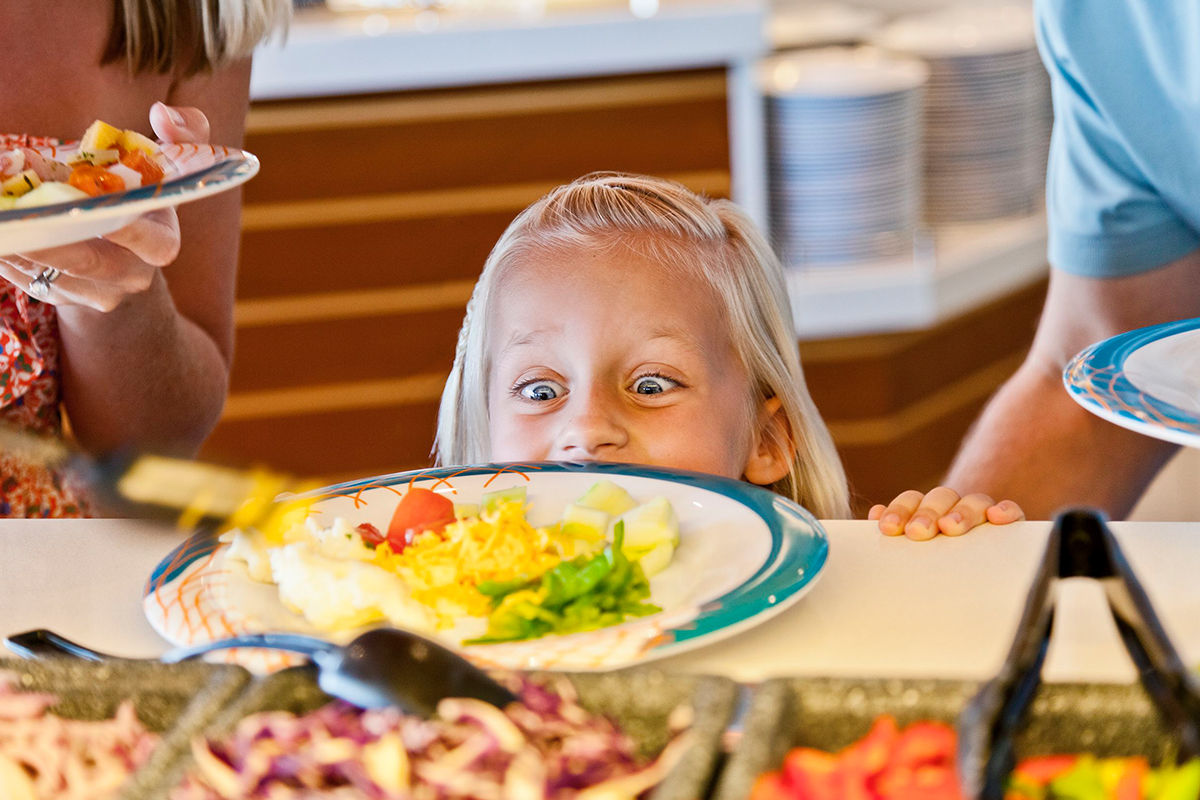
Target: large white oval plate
745,554
194,171
1146,380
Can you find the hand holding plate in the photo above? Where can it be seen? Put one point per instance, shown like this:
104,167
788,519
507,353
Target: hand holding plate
100,272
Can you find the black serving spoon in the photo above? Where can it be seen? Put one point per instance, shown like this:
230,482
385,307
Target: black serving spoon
382,667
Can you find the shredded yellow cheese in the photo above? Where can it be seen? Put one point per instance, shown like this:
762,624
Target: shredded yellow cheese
443,569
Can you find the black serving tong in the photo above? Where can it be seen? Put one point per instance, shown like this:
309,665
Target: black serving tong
1080,545
379,668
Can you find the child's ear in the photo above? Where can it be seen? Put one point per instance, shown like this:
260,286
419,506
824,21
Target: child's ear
773,449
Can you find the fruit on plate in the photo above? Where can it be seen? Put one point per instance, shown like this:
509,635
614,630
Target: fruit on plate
106,160
47,193
651,534
606,496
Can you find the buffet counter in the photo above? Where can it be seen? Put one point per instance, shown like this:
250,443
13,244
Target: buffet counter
882,607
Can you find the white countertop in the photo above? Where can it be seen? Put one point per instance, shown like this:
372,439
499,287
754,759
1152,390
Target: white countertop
945,608
328,53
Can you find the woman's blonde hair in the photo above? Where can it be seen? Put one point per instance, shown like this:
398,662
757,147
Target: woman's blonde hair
694,235
190,36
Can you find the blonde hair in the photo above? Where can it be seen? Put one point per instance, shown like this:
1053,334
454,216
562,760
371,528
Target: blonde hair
190,36
711,238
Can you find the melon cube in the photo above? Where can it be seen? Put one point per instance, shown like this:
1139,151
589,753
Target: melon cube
606,496
649,524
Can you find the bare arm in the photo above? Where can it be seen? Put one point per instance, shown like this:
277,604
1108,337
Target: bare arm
1037,446
152,373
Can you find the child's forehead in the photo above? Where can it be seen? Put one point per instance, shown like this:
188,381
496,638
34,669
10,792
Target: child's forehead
612,256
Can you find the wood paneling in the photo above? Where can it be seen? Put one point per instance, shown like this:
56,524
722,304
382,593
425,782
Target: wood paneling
514,136
331,444
368,348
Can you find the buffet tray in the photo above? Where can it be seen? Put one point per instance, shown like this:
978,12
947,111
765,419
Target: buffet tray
831,713
640,700
175,700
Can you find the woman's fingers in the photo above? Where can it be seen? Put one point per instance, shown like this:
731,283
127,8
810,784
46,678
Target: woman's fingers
97,274
180,124
153,237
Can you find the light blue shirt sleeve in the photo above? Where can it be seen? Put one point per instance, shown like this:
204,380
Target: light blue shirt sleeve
1106,219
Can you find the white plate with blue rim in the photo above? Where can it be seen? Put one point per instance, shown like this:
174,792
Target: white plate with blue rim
192,171
745,555
1146,380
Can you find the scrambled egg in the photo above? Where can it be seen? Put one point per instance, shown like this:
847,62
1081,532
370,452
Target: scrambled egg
326,575
443,570
343,593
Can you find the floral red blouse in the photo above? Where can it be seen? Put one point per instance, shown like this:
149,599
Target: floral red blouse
30,392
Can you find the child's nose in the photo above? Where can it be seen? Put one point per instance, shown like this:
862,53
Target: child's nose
594,429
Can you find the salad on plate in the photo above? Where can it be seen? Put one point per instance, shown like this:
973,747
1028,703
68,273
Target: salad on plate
476,573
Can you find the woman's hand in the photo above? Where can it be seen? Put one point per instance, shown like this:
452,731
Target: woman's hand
921,516
102,272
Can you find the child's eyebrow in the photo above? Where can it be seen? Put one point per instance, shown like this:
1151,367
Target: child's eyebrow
519,339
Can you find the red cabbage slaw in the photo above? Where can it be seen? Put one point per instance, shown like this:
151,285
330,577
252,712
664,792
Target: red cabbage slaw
47,756
546,747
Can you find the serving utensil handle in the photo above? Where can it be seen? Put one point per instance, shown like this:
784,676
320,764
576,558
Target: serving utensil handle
1080,545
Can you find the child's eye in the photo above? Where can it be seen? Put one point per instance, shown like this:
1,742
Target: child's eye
541,391
653,384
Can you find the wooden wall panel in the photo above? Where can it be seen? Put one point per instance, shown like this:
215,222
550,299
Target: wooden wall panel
546,132
331,446
339,350
328,258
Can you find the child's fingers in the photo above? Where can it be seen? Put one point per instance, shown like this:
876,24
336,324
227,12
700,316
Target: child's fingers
923,524
969,512
896,515
876,511
1004,512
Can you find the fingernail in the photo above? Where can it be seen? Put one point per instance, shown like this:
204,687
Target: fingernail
955,517
890,520
919,525
173,115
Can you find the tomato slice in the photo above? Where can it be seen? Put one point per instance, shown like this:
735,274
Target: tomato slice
369,533
419,510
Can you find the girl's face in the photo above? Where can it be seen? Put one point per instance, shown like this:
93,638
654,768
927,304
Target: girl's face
605,355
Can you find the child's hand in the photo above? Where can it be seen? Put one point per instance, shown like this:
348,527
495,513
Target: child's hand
922,516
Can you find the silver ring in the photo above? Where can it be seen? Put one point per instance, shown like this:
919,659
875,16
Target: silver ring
39,287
